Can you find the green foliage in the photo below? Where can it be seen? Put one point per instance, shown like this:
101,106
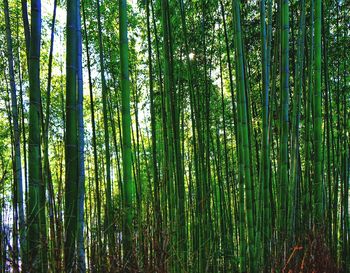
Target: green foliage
216,136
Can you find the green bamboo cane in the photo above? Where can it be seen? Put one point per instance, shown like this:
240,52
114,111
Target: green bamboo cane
34,158
129,188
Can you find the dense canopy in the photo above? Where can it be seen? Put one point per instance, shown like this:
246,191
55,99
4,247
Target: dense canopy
180,136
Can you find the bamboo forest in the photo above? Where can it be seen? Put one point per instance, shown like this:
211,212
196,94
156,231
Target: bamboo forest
175,136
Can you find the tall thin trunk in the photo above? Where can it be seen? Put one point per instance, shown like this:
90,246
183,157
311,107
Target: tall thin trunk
47,182
265,154
34,158
16,140
129,187
81,266
298,88
71,141
94,144
317,99
157,211
244,136
284,119
110,229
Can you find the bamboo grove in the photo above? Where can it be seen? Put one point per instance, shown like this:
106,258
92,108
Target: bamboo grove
174,136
